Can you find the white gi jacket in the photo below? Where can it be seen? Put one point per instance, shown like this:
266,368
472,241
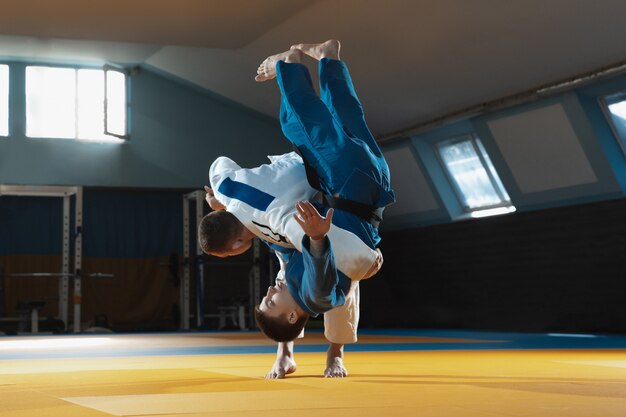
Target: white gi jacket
263,199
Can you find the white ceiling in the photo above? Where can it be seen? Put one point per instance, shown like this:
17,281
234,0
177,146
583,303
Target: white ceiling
412,60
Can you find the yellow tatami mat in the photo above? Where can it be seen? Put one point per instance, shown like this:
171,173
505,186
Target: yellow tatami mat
402,380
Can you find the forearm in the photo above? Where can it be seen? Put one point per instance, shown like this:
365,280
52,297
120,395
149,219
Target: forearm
320,279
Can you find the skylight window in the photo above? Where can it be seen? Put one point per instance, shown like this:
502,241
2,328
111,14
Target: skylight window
614,107
4,100
475,180
70,103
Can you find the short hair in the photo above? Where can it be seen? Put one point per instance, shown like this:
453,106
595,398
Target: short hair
278,328
217,231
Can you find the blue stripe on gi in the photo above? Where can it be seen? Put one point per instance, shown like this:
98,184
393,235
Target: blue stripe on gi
243,192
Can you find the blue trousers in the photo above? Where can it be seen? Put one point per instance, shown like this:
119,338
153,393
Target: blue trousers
331,133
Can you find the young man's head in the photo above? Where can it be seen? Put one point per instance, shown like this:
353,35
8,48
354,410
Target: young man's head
221,234
279,316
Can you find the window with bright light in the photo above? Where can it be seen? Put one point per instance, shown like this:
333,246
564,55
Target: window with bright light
474,177
4,100
115,102
72,103
614,107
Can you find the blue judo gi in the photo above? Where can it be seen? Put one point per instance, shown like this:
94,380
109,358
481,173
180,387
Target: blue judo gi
332,136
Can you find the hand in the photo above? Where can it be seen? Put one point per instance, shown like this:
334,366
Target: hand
314,225
210,198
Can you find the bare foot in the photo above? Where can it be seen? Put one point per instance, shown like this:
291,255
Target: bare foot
334,362
267,69
328,49
285,364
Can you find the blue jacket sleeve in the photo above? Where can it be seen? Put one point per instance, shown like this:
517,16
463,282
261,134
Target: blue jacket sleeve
320,289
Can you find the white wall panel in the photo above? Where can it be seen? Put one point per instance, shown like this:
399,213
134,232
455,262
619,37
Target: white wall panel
542,150
413,194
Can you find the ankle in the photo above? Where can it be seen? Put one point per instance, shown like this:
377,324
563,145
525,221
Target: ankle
295,57
285,349
335,350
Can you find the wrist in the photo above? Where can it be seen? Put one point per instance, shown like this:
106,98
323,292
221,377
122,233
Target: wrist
317,247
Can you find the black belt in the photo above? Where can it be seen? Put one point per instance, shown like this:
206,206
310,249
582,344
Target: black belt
368,213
